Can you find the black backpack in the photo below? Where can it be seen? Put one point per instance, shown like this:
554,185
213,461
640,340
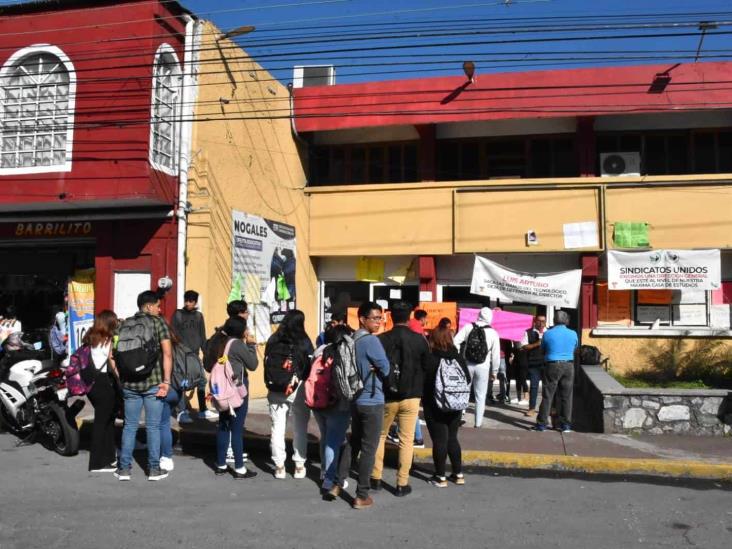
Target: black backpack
476,347
590,355
187,369
138,349
396,359
281,364
210,355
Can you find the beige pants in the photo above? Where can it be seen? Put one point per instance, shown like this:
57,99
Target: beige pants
405,412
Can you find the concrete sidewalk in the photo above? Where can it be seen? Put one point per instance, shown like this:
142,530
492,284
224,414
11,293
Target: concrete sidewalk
506,441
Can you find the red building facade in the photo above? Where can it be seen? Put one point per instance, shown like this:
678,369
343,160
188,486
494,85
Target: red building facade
89,162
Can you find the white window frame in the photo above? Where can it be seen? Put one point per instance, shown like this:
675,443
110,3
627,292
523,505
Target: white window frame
176,122
14,60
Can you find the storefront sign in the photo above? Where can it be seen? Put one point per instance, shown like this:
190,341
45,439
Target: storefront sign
56,230
495,281
264,250
81,306
664,270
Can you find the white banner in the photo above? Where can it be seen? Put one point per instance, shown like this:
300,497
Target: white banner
664,270
495,281
264,263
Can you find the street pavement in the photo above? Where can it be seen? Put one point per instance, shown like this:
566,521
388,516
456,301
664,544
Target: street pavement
49,501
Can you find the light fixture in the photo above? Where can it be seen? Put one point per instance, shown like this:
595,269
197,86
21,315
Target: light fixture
238,31
469,70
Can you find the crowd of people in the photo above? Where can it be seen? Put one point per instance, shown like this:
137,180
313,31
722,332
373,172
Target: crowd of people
145,363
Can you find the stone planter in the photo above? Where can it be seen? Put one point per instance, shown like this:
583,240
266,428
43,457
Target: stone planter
617,409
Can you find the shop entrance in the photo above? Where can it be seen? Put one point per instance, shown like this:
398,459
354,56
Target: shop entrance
34,278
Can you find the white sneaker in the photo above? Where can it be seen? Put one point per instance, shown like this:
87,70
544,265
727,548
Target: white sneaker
230,455
344,485
280,473
166,464
185,417
523,401
300,471
208,414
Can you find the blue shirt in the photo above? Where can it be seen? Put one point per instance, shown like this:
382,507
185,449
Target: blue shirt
559,343
370,352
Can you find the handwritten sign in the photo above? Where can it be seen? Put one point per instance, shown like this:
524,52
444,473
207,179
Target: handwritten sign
436,311
613,307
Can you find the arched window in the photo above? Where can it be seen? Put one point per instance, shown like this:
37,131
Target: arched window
37,89
167,80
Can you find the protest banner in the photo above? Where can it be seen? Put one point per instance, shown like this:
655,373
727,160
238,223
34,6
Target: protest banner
436,311
664,270
495,281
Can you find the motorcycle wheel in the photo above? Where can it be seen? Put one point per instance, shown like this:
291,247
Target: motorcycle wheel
7,423
64,437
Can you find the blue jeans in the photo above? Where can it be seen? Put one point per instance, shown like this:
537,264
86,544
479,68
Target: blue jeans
134,402
534,379
166,435
333,425
231,427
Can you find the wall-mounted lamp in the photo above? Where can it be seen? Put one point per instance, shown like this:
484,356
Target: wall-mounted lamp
469,70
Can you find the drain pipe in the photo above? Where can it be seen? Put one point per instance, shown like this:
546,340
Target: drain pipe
187,112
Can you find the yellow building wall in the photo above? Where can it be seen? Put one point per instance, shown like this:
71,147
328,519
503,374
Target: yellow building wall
497,221
244,160
679,217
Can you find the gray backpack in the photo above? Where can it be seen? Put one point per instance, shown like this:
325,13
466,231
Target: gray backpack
345,376
187,369
138,348
452,390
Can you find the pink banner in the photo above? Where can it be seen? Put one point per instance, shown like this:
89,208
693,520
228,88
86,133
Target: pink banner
511,325
467,316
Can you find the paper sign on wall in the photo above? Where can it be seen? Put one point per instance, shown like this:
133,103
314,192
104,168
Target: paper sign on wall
613,307
631,235
369,269
655,297
436,311
581,235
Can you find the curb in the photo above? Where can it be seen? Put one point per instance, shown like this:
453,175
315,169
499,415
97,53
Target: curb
665,468
581,464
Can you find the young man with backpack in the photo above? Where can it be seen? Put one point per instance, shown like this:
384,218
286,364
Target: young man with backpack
144,361
480,345
189,325
408,355
367,411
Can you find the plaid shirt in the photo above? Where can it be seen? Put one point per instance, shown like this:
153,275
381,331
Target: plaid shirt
162,332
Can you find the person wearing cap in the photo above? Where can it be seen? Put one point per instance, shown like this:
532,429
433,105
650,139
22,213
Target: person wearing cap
484,372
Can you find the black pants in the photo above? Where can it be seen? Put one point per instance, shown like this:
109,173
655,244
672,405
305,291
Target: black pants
522,374
103,397
366,424
443,428
559,380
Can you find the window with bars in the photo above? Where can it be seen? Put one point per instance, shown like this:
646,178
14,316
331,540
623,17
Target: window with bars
36,113
167,81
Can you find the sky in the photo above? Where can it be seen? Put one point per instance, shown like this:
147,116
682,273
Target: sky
371,40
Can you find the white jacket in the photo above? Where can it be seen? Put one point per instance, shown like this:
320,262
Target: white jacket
493,358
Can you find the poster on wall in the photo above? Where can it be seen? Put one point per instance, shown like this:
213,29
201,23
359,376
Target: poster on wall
264,251
81,306
497,282
664,270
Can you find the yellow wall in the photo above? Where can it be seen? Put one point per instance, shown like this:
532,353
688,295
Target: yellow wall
251,165
497,221
679,217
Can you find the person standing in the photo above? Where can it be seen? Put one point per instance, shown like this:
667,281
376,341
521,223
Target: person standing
336,319
103,395
367,411
559,345
287,363
443,425
243,359
481,371
403,392
190,326
418,322
532,358
148,390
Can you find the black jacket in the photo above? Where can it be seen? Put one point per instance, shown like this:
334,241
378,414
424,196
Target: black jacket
415,355
430,373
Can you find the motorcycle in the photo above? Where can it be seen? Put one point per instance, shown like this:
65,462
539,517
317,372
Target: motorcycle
34,403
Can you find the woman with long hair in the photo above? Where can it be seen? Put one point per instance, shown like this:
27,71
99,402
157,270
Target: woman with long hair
443,426
287,363
243,358
104,393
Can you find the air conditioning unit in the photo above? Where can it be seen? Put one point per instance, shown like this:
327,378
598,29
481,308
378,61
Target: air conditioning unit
304,76
620,164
